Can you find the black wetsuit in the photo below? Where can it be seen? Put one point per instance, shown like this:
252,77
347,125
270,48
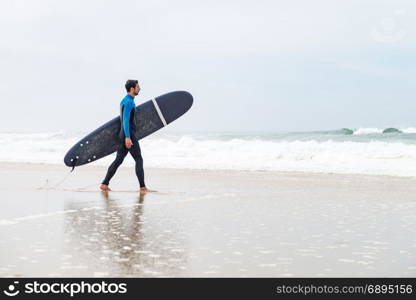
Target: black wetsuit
128,128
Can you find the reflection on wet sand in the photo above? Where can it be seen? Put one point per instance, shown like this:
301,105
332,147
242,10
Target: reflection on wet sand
117,241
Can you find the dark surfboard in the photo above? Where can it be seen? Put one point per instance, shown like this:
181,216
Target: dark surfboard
150,118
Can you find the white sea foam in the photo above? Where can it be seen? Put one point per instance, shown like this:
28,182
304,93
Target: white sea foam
368,130
409,130
212,152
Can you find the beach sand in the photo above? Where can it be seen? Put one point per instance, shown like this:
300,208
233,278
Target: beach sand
204,223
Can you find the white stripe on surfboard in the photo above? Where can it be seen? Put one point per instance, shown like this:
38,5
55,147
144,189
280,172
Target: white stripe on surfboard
159,112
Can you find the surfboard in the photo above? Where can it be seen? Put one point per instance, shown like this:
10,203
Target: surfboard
151,116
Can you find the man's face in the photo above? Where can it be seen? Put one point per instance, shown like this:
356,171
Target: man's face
136,90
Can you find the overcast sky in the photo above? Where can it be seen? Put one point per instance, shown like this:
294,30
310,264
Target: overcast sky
250,65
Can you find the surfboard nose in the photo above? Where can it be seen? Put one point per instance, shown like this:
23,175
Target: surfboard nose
186,98
174,104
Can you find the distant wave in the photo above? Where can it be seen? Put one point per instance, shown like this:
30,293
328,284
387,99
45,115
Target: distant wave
345,131
238,153
364,131
392,130
348,131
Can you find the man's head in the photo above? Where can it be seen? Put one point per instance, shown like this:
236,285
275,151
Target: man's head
132,87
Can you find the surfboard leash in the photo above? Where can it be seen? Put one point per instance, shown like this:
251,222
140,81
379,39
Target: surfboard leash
45,187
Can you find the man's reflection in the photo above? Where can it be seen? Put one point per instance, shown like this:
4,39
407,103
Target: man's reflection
113,240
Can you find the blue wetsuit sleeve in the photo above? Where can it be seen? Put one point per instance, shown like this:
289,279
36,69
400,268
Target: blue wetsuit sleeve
126,117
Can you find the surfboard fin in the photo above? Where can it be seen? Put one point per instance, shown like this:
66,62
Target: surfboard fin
73,164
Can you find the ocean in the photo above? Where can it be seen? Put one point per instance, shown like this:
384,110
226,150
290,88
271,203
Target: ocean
375,151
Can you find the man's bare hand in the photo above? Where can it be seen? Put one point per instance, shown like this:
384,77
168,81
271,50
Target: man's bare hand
128,143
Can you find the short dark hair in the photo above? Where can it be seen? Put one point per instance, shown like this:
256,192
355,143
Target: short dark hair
131,83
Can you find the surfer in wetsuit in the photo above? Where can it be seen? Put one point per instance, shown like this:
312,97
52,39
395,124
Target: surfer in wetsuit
128,138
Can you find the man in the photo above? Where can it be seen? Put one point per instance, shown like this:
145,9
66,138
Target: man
128,138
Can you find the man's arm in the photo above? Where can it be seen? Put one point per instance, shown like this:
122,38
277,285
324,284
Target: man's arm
126,117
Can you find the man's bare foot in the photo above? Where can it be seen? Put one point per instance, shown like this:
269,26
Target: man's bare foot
104,188
144,190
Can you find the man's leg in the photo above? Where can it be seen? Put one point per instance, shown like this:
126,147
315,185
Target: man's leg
137,155
121,154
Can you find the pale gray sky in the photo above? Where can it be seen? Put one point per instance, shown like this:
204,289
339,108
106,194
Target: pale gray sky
250,65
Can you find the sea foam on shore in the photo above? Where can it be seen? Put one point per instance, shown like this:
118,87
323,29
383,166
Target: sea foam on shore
360,151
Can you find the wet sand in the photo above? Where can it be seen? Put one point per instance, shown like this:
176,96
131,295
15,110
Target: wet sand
204,224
